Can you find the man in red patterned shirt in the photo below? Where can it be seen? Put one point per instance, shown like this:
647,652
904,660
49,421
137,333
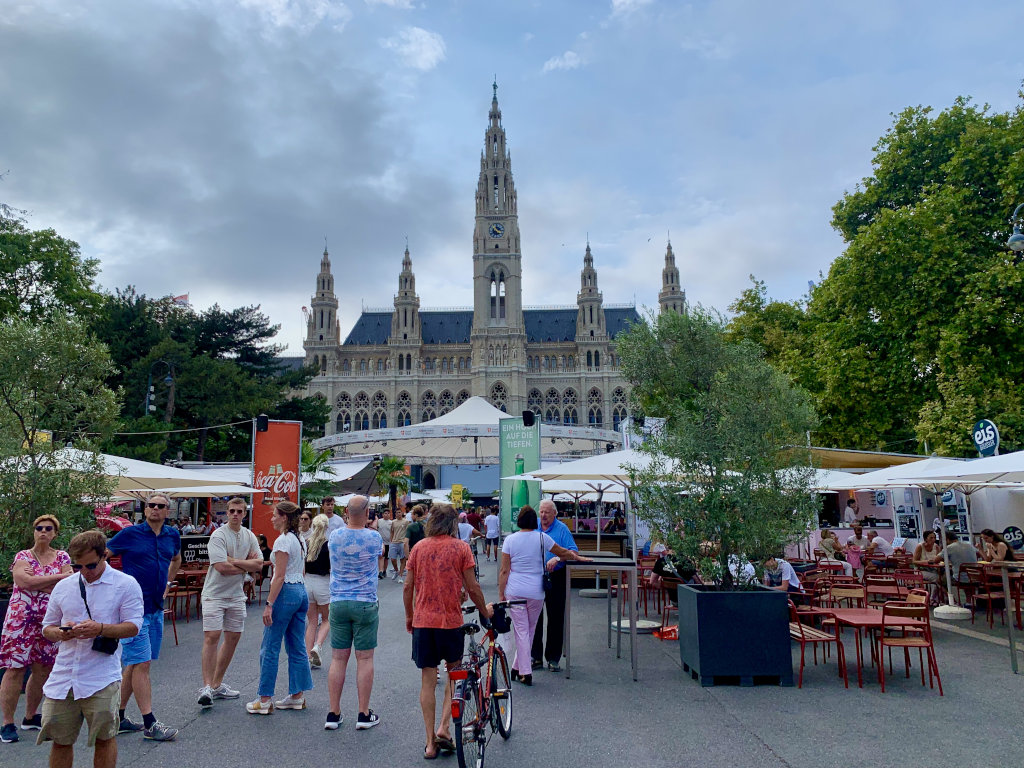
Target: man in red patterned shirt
440,567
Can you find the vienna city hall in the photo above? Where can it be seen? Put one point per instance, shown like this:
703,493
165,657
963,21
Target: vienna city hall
407,364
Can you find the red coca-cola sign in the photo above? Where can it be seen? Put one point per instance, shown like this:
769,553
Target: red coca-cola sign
275,470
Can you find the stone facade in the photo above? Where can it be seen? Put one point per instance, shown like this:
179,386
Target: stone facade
406,364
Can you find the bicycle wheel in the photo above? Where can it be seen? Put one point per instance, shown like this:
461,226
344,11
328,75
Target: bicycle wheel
501,694
469,730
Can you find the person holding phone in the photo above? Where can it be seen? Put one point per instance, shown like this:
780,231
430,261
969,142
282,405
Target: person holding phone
86,617
36,571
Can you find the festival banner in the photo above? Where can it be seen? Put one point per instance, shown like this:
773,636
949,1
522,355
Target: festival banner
519,452
275,470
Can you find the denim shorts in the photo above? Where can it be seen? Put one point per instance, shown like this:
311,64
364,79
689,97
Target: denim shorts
145,646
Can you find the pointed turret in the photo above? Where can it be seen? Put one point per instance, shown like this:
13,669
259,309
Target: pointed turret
322,328
591,331
406,334
671,298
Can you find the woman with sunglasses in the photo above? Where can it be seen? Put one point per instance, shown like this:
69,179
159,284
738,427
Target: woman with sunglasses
36,571
284,618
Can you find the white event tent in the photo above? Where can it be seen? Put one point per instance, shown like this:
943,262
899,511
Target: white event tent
466,435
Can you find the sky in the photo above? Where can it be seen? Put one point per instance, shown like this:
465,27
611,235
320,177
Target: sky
209,147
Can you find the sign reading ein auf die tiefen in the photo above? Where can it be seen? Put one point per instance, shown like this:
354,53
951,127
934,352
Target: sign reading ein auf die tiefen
518,452
986,438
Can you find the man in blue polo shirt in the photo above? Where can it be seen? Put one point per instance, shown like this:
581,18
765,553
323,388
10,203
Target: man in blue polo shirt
554,598
151,554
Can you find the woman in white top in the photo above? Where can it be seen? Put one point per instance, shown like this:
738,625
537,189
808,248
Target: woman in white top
523,557
284,617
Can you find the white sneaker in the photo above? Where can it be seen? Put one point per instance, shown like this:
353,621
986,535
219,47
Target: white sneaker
314,657
223,692
289,703
394,576
401,580
257,707
205,696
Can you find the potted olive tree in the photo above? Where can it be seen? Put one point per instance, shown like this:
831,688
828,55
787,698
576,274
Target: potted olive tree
727,487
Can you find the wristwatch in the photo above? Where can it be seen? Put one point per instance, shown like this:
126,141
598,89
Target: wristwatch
269,604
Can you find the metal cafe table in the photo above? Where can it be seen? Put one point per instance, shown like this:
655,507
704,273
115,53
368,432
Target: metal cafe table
612,565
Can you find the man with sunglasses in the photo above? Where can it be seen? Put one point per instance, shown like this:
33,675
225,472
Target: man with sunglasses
97,604
234,551
151,554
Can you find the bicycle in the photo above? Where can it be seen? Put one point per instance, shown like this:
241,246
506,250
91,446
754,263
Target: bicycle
482,700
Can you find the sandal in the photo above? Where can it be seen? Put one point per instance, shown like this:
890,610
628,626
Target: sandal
444,743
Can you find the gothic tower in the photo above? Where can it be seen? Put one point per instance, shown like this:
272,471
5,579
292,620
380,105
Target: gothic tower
671,298
498,336
322,329
406,335
591,331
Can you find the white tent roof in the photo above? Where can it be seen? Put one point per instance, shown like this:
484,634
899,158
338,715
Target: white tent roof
897,476
602,471
1004,469
197,491
466,435
133,475
241,472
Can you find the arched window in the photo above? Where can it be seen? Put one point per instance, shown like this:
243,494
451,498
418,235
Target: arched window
408,362
445,403
428,406
462,397
501,296
571,418
380,411
594,417
346,366
401,363
534,401
597,359
404,405
590,359
499,396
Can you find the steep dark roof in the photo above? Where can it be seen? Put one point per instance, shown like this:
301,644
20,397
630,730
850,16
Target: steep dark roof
291,363
453,327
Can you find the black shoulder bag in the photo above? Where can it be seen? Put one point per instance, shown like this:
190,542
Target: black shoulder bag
107,645
545,576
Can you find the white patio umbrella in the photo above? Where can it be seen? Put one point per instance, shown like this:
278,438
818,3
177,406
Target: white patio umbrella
135,475
196,491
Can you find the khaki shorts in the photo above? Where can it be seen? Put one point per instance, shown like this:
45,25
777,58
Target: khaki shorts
62,719
224,615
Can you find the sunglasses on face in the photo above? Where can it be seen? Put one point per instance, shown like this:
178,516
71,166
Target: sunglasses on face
153,505
44,527
90,566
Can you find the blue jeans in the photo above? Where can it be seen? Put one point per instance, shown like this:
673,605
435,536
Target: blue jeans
289,623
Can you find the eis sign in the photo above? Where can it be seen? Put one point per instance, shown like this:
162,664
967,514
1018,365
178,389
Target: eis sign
986,438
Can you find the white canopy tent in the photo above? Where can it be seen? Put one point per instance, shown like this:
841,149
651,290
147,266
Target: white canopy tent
467,434
136,475
196,491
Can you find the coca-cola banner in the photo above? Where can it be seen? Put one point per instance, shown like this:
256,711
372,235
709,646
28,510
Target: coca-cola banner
275,470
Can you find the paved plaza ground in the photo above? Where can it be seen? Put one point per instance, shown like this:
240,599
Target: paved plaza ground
600,717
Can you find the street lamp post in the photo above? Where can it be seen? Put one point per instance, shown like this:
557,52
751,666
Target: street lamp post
169,381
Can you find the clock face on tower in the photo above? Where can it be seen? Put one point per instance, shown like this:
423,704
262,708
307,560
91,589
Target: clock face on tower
496,230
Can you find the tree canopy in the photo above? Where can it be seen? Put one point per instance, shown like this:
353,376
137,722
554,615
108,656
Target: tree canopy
726,481
916,332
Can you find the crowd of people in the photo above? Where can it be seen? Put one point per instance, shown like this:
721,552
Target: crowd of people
87,634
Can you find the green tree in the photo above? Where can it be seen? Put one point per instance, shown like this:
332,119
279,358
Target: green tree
315,464
391,475
915,332
42,274
726,479
52,393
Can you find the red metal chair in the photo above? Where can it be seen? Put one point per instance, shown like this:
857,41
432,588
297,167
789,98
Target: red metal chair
919,636
806,635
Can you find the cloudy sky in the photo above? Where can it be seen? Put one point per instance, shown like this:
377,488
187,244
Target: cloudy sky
208,146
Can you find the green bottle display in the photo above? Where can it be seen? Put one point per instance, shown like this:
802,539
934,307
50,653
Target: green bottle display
520,491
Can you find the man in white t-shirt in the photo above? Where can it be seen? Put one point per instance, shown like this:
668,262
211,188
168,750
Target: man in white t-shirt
334,522
878,546
778,574
234,551
383,526
492,530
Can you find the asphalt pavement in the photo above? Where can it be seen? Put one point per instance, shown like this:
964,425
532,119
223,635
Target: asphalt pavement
600,717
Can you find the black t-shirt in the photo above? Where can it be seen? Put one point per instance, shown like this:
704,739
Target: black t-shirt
321,564
414,533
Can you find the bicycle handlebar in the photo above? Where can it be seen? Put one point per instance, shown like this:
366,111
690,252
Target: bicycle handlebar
503,604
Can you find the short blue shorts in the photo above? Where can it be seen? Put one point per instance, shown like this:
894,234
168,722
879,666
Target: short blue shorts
145,646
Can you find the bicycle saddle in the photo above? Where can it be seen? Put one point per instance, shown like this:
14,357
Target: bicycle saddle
471,628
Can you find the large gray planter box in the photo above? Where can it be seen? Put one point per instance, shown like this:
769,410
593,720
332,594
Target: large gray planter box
735,636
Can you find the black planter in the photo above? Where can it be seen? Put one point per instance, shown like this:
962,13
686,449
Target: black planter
735,636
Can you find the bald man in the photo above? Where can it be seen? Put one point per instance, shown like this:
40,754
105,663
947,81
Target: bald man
354,551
